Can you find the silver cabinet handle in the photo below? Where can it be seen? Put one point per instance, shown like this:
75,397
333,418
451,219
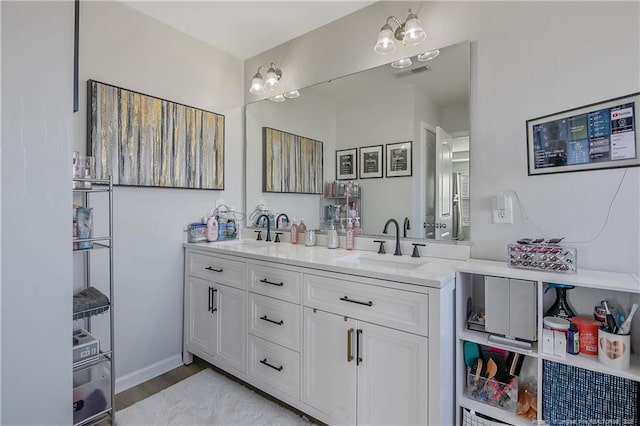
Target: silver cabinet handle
349,338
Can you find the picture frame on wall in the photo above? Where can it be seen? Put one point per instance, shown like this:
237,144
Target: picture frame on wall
347,164
399,159
371,161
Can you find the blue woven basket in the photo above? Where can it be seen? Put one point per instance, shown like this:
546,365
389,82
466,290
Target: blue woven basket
575,396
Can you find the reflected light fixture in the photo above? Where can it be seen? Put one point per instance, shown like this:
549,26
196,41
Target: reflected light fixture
427,56
410,32
292,94
277,98
402,63
269,82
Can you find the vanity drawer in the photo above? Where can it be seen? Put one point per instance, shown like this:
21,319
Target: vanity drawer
400,309
275,282
217,269
275,365
275,320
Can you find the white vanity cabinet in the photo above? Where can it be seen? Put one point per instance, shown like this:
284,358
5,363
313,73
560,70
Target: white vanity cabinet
344,345
215,309
360,362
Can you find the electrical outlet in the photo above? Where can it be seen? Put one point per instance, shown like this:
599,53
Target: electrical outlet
503,215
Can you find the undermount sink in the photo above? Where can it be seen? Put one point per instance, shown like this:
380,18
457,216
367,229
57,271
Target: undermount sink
397,262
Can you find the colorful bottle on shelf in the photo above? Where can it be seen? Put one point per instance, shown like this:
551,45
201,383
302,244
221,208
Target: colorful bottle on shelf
349,235
294,232
231,229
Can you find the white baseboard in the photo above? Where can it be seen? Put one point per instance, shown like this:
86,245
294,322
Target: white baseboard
142,375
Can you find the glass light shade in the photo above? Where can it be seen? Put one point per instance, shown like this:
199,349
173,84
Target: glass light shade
402,63
257,85
385,44
292,94
427,56
271,79
413,32
277,98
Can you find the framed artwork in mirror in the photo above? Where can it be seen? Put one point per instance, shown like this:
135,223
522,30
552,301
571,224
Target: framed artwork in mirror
292,163
371,160
347,164
399,159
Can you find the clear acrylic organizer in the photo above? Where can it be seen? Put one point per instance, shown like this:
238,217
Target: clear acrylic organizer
493,392
543,257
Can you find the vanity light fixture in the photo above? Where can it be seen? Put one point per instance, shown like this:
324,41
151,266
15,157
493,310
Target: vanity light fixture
277,98
427,56
402,63
292,94
269,82
410,32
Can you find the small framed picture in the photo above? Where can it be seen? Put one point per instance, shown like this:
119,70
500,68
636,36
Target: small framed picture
346,164
371,162
399,159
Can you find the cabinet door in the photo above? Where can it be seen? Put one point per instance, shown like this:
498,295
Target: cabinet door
230,306
201,329
329,373
392,376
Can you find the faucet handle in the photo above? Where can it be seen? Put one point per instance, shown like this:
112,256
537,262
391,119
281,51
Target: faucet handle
277,240
416,252
259,231
381,249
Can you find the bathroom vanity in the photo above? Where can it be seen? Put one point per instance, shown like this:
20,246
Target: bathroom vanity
348,337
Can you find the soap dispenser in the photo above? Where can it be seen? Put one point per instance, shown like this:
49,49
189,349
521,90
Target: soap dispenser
357,230
332,237
349,245
294,232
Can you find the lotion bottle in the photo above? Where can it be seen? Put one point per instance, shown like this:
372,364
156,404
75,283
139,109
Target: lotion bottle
302,228
357,230
349,235
212,228
294,232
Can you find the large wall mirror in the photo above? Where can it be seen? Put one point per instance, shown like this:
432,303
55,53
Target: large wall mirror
371,117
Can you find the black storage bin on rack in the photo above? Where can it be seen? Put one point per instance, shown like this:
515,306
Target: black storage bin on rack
574,395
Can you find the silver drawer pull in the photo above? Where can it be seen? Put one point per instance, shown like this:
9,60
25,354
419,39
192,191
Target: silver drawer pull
264,361
346,299
272,321
266,281
211,268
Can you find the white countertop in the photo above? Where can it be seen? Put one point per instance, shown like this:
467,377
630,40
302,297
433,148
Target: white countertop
424,271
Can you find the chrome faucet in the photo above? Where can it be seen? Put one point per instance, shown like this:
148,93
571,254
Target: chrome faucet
386,225
268,225
407,226
278,219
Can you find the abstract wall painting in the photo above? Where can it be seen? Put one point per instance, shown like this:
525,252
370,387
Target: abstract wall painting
142,140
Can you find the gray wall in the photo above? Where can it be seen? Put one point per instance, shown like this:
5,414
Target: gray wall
123,47
528,59
37,59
